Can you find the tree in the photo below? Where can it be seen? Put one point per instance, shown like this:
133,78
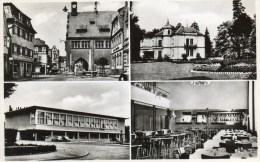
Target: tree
195,25
178,26
238,8
252,37
208,43
136,36
102,61
152,33
9,89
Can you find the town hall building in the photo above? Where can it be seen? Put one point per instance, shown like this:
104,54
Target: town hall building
174,43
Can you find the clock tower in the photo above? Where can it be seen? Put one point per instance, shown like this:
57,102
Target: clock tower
74,7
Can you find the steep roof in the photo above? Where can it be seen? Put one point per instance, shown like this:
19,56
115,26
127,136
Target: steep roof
183,30
83,21
33,108
160,33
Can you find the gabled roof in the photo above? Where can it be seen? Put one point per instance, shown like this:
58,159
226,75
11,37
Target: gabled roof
39,42
33,108
102,20
183,30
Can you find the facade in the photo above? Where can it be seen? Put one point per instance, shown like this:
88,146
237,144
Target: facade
22,35
43,123
41,51
150,109
185,40
6,49
55,53
88,37
120,42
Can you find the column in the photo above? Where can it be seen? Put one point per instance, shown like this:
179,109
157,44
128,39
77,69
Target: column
108,136
99,136
35,136
78,136
51,134
89,136
65,134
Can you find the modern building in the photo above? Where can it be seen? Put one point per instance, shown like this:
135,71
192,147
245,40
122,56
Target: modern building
22,35
150,107
120,41
88,37
7,50
43,123
41,51
55,53
174,43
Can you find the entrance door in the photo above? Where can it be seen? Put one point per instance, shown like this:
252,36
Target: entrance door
82,64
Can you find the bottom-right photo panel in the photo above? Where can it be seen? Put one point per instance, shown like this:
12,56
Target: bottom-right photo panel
193,120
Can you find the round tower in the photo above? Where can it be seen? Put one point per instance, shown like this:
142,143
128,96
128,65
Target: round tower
167,40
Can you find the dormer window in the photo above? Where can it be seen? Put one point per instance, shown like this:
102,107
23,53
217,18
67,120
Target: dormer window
92,22
104,28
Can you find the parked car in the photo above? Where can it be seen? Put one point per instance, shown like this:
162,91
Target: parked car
65,139
57,139
55,71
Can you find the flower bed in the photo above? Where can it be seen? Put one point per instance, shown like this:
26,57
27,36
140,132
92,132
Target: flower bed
240,67
28,149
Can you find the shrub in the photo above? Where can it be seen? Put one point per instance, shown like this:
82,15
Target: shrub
184,57
10,136
28,149
166,58
198,56
211,67
159,59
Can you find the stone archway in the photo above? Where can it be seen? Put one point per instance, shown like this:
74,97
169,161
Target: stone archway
81,64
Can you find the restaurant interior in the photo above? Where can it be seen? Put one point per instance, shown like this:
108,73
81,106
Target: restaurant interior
193,120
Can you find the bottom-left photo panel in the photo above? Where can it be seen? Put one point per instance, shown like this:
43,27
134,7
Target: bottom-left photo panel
60,121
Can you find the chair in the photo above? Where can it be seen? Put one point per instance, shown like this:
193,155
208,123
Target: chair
230,146
203,156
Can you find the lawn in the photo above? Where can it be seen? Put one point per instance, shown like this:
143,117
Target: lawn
173,71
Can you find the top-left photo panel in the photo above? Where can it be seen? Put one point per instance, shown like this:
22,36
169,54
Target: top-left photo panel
66,41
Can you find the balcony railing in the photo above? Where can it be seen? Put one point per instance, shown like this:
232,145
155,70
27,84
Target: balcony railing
190,45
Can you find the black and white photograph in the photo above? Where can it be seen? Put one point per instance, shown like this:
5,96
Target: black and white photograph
63,41
193,120
61,121
193,40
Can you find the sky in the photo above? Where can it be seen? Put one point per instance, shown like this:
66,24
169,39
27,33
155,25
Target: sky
216,95
49,20
111,98
207,13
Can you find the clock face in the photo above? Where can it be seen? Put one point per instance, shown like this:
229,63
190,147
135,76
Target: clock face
74,6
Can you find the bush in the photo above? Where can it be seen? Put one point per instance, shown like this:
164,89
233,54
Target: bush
159,59
28,149
10,137
198,56
240,68
211,67
166,58
184,57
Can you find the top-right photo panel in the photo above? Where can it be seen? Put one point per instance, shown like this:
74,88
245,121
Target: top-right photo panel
193,40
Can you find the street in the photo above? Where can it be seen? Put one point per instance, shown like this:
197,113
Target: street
79,151
63,77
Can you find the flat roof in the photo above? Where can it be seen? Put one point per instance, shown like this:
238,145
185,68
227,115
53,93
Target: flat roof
32,108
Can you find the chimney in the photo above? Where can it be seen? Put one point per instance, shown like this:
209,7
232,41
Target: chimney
74,7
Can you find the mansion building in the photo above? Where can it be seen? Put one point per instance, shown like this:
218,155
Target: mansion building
43,123
88,37
185,40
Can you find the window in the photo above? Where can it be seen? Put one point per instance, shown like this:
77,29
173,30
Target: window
187,52
31,53
162,121
41,117
87,121
81,30
169,32
15,29
43,49
81,121
191,41
97,123
62,120
85,44
49,118
160,43
99,44
69,120
108,44
111,124
102,123
191,52
21,32
187,41
159,54
30,37
32,116
23,50
75,44
91,120
115,124
18,49
5,41
91,22
75,121
14,48
106,123
18,31
36,49
55,119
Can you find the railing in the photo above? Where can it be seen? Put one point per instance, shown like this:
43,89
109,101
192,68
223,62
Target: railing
190,45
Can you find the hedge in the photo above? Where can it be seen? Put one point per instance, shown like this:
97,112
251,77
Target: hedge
28,149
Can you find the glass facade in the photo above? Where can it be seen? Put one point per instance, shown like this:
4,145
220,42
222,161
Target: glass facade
69,120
